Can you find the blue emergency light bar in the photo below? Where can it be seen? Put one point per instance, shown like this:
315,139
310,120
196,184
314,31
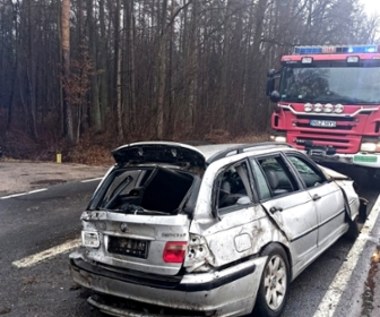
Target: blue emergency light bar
330,49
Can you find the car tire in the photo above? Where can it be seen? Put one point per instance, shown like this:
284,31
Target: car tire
273,290
354,229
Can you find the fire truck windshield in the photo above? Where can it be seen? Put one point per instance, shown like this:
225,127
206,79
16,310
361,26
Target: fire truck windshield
331,84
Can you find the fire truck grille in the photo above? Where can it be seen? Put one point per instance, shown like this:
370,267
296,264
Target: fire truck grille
338,126
341,143
330,123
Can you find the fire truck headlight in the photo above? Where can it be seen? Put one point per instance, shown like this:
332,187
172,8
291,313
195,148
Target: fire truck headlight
353,59
308,107
338,108
307,60
328,108
368,147
318,107
280,139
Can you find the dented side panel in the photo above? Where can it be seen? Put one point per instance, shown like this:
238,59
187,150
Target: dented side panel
238,235
296,215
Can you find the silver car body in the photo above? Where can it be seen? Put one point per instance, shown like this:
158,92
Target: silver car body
223,266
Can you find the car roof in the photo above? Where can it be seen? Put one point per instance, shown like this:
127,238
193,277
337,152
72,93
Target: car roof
180,153
215,152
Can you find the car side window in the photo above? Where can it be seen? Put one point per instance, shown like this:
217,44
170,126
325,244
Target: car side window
308,173
262,187
277,175
233,187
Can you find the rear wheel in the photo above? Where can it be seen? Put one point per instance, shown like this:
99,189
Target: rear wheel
273,289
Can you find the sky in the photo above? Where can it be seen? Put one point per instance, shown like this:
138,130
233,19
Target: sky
371,6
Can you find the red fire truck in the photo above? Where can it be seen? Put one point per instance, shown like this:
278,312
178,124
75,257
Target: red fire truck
328,103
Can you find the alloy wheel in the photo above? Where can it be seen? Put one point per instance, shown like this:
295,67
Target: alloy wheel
275,282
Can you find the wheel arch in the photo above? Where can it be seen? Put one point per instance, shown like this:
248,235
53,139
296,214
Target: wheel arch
287,252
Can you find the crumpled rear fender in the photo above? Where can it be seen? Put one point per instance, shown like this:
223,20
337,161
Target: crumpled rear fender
353,203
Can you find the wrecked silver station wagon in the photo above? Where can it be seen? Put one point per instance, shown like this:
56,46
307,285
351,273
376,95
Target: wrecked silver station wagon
218,230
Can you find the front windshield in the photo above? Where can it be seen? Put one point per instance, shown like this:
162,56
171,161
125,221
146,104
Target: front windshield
331,84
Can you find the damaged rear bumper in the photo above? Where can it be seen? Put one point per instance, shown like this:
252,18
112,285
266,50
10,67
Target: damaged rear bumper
226,292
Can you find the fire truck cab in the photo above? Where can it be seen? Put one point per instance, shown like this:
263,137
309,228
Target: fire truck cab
328,103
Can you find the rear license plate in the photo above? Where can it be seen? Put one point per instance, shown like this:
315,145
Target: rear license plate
365,158
130,247
323,123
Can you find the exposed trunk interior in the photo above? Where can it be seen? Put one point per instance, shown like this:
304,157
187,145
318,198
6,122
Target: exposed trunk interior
157,190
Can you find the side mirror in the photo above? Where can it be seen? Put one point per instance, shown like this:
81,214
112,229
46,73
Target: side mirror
271,73
270,86
271,81
275,96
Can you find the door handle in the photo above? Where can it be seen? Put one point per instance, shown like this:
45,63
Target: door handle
316,197
275,209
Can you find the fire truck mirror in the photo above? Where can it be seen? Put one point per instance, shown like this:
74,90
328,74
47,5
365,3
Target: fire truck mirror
270,86
271,82
271,73
274,96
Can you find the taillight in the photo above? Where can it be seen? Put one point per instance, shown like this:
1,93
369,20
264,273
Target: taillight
174,251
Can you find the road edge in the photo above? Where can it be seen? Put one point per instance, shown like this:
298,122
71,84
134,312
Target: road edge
344,295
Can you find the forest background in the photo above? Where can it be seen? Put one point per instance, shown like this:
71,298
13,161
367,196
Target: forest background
83,76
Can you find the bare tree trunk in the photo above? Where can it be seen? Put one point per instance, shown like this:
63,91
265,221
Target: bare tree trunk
224,93
161,58
130,42
193,66
260,114
118,64
171,111
95,114
31,76
15,18
103,83
65,47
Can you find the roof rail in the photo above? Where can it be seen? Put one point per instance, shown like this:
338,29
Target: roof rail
243,148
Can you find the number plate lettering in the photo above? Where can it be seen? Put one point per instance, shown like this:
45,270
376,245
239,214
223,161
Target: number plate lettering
323,123
130,247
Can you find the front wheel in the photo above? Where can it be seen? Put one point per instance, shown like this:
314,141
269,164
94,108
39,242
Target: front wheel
273,289
354,229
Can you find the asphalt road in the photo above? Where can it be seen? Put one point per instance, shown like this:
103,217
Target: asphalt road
35,222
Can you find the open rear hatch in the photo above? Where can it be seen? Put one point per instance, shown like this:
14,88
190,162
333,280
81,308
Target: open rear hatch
159,152
142,210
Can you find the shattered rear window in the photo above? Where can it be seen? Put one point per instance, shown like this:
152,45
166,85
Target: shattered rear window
155,190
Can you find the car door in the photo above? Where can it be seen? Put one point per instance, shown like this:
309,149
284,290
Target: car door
327,197
292,208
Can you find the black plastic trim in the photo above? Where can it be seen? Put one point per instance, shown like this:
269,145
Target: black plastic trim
156,281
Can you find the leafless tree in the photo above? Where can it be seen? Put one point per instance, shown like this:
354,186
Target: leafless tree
156,69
